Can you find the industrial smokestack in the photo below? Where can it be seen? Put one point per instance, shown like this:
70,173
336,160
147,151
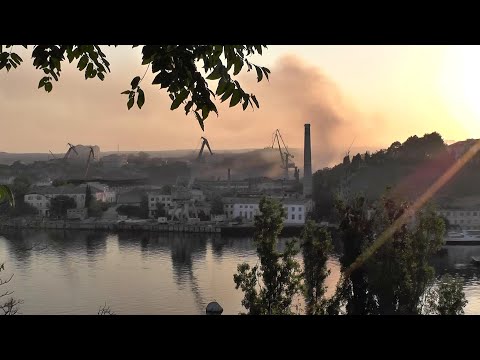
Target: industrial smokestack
307,164
228,175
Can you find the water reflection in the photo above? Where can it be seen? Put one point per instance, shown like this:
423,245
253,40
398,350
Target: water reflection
74,272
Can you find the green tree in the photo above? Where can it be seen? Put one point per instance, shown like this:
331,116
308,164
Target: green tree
446,298
166,189
88,196
396,277
161,212
316,248
269,288
217,206
60,204
176,69
356,233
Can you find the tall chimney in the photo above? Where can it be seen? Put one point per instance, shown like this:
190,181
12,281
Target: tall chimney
228,174
307,164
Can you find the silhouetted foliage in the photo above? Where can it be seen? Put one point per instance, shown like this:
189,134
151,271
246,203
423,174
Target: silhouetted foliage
316,248
397,277
217,206
269,288
60,204
176,69
10,306
446,298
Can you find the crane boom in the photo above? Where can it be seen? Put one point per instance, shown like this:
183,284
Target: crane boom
204,142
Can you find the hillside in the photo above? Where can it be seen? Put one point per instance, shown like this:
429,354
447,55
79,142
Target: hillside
407,169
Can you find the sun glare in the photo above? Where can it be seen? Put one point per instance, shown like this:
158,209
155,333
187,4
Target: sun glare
461,87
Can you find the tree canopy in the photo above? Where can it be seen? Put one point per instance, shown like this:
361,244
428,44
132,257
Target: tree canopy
177,69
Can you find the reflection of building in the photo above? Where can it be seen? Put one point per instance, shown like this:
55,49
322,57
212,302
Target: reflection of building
466,219
40,197
296,210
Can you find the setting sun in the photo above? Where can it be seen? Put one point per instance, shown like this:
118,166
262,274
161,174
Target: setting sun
461,86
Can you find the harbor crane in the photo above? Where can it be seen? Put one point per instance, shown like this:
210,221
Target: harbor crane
91,155
285,155
70,149
204,142
53,156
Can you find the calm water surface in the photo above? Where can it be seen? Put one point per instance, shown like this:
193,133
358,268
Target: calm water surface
58,272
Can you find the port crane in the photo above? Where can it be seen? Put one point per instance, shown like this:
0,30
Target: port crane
91,155
285,155
70,149
200,153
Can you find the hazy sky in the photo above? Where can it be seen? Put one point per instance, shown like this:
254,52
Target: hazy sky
375,94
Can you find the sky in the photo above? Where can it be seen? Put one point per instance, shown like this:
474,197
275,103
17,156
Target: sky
371,95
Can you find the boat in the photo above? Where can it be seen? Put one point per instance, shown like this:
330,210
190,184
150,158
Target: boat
463,237
476,260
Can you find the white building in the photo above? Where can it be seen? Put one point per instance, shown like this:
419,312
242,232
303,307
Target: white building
102,192
40,197
6,180
296,210
466,219
114,160
155,197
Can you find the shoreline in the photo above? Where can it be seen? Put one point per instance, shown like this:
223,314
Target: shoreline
140,226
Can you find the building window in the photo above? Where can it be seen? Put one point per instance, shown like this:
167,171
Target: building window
231,212
163,199
39,198
300,217
474,213
293,208
293,216
461,214
461,221
152,199
251,206
241,206
300,208
241,213
468,213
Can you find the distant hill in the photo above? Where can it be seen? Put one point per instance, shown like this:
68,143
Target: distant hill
408,169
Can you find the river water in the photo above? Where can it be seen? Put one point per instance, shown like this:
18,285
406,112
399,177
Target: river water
57,272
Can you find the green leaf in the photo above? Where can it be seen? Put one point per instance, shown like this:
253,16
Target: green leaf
246,97
228,92
259,74
101,76
8,66
48,86
141,98
13,63
176,103
188,107
89,70
237,66
82,62
222,85
236,97
130,102
200,121
266,72
215,74
125,92
135,82
205,112
255,101
42,82
16,58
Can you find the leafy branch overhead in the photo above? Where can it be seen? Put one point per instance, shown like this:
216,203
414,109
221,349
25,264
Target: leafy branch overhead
177,68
